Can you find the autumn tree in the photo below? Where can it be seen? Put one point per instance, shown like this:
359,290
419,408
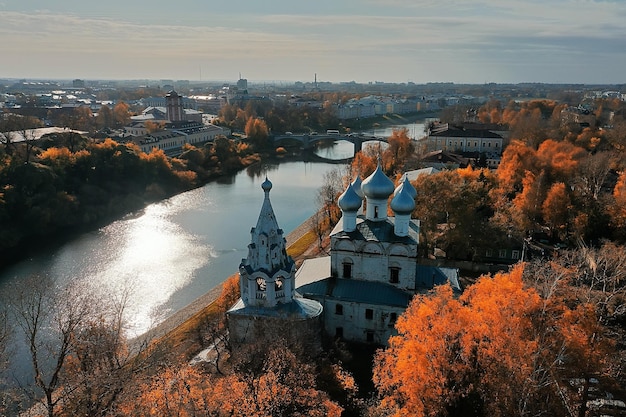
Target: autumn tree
121,114
363,164
271,381
213,331
399,149
618,209
105,117
462,356
257,133
527,177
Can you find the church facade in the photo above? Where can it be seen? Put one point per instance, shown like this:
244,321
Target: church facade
373,271
355,294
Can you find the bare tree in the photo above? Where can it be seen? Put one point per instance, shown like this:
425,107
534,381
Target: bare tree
594,170
49,318
319,225
101,364
327,194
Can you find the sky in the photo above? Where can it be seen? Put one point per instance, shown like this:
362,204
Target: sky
460,41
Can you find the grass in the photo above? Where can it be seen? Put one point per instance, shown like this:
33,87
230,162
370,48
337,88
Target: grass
301,245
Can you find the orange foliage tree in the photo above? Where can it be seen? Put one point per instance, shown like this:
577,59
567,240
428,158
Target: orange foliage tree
399,149
618,209
275,383
257,132
500,349
530,180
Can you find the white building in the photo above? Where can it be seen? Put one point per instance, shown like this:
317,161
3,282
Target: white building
175,135
373,270
269,305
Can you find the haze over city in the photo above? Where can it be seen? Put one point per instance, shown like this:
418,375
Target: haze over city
503,41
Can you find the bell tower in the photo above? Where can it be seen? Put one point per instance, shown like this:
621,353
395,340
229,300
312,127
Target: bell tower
267,275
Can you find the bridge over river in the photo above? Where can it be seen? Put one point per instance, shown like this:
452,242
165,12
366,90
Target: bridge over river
309,140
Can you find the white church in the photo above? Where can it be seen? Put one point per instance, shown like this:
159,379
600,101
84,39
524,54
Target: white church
357,292
268,300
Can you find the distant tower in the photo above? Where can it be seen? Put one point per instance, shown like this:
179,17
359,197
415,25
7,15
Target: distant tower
174,107
242,84
268,303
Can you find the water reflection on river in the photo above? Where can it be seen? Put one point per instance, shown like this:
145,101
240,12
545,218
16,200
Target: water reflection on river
176,250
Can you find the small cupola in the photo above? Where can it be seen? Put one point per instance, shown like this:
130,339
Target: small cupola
402,204
349,202
406,184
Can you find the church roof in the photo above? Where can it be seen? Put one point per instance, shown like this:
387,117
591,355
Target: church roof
353,290
426,277
267,220
378,231
297,309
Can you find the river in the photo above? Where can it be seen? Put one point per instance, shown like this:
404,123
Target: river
174,251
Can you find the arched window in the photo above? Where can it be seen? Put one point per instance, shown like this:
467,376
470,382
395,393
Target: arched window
394,275
339,309
347,269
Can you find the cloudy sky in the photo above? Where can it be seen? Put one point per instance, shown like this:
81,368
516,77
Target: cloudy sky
462,41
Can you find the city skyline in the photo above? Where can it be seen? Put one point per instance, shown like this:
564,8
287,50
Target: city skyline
562,41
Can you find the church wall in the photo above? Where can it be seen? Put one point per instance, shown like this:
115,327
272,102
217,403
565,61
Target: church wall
360,322
247,329
376,266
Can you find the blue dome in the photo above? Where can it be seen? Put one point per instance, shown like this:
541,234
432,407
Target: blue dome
405,183
267,185
349,201
403,202
356,184
378,185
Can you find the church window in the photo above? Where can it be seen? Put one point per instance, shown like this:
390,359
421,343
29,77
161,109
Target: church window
339,309
392,319
369,314
278,284
347,270
339,332
369,336
394,275
375,212
261,284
